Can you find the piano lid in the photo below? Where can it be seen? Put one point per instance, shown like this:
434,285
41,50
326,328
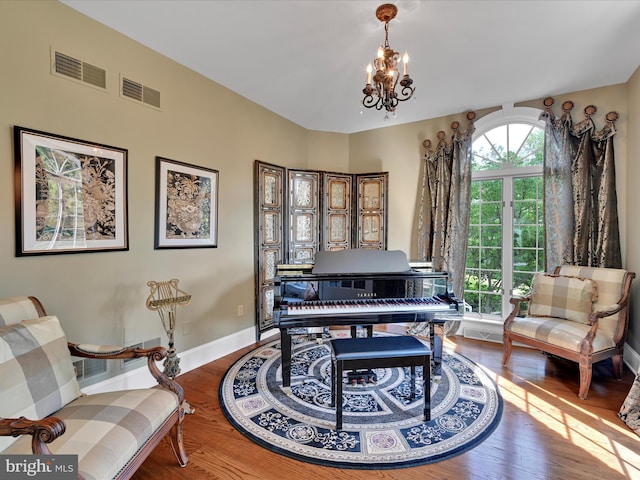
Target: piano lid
360,261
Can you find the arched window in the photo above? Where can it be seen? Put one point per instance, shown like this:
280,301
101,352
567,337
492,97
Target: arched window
506,226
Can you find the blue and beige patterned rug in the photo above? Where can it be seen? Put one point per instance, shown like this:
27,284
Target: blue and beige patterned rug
381,428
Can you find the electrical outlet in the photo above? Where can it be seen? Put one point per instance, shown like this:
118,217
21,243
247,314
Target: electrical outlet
240,310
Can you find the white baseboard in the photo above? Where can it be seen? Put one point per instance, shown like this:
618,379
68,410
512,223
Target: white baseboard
189,360
631,358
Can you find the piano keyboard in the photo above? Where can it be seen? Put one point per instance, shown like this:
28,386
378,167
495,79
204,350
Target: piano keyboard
335,307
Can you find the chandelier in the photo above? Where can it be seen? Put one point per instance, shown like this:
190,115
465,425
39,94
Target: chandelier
381,89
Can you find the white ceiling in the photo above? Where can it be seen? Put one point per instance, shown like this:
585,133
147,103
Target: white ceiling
305,60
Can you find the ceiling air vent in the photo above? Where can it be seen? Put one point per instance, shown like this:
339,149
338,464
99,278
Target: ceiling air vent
78,70
141,93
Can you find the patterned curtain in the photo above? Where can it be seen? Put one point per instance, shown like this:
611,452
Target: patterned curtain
630,410
581,208
443,222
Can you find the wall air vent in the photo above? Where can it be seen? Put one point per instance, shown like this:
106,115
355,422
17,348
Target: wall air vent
75,69
140,93
154,342
89,367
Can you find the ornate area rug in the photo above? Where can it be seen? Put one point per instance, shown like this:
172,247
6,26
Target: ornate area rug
381,428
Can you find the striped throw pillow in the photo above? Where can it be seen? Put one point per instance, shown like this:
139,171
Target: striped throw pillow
561,296
36,373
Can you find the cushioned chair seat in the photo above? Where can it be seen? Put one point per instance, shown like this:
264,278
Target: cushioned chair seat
559,332
117,419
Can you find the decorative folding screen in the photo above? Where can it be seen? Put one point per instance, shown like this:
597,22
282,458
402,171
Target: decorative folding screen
302,215
318,212
336,211
371,211
269,244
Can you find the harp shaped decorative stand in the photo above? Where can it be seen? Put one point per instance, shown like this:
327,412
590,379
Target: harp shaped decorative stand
164,298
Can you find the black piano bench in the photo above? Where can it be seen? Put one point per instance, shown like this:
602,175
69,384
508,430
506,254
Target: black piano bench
379,352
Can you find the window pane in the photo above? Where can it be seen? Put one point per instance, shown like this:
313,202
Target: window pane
474,213
524,259
532,151
528,230
525,212
491,258
522,283
491,214
490,304
491,236
474,235
503,150
473,258
515,145
491,191
525,188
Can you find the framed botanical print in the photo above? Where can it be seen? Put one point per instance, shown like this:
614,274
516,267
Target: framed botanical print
71,195
186,205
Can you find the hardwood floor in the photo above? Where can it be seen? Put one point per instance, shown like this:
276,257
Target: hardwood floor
546,432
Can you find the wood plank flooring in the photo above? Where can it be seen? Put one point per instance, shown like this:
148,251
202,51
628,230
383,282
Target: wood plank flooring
546,432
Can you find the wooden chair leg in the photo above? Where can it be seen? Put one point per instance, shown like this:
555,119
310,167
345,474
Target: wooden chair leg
177,443
585,378
618,366
506,347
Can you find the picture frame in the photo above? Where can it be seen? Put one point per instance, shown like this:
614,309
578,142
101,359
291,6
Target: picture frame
186,205
70,195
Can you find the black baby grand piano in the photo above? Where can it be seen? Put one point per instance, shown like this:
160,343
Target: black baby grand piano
357,288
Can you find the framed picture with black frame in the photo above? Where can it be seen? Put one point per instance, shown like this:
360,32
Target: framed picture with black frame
186,205
70,195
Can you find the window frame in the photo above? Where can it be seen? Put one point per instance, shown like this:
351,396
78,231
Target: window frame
507,115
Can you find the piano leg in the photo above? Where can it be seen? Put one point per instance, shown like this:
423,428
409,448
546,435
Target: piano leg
285,349
368,329
436,345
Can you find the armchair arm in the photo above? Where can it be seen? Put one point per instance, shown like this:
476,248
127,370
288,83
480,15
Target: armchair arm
42,431
152,355
515,301
605,312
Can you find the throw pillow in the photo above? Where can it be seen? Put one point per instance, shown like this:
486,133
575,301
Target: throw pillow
561,296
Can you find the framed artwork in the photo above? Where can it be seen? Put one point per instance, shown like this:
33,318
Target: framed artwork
71,195
186,205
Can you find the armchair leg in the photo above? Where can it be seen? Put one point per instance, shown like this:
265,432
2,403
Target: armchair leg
585,378
506,346
177,443
618,366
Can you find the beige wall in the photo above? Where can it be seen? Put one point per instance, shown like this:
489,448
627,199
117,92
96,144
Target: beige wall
100,296
630,220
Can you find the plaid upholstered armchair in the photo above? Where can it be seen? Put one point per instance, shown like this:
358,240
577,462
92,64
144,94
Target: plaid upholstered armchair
578,313
43,411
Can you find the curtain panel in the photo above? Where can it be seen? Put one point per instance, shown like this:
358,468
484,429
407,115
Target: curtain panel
443,222
580,200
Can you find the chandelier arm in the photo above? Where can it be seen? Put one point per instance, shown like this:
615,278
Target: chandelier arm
407,93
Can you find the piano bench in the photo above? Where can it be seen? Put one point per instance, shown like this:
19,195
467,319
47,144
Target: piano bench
379,352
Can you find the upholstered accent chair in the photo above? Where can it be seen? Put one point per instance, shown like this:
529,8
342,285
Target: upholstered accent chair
577,313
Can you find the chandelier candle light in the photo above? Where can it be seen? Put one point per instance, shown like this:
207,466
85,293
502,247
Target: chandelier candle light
382,92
